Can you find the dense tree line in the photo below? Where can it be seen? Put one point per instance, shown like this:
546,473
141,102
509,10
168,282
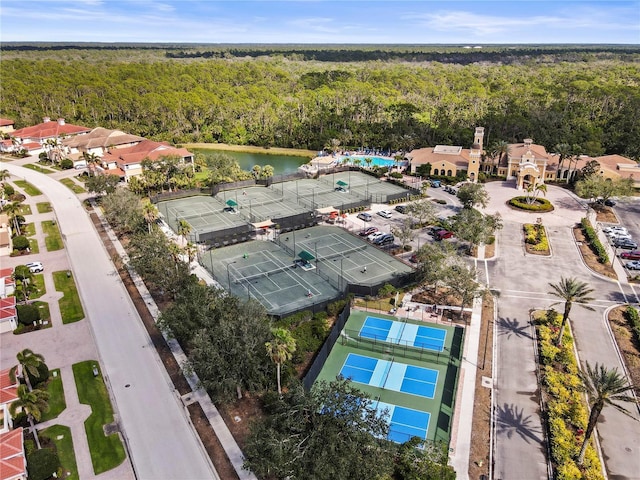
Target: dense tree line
274,101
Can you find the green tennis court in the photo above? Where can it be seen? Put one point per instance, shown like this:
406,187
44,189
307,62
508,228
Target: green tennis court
403,376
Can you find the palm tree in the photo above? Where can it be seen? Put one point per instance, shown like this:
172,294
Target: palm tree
150,213
368,161
280,349
23,275
13,209
497,152
534,190
603,387
570,290
28,362
184,229
563,151
33,403
4,174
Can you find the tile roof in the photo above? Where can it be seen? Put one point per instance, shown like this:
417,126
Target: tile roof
5,122
12,459
8,308
101,137
145,149
49,129
517,150
459,157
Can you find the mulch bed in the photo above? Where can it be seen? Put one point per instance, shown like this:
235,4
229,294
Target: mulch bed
198,418
589,257
627,344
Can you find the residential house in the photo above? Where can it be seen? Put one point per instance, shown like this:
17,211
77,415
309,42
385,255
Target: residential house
99,140
7,282
13,462
127,162
8,314
6,125
8,394
6,244
48,135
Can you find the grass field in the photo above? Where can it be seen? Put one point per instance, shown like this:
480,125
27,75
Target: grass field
64,447
38,168
28,188
38,281
253,149
28,229
33,245
44,207
70,306
57,403
53,240
73,186
25,209
107,452
45,314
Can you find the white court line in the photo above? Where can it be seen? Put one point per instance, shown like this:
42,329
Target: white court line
295,276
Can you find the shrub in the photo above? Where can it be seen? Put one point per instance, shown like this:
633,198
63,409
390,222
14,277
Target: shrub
66,164
594,243
386,290
9,190
27,314
632,316
42,464
43,375
20,243
540,204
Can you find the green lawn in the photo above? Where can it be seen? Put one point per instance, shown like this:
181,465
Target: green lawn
38,281
57,402
44,207
25,209
53,240
75,188
106,452
70,306
38,168
28,229
64,447
33,245
45,314
28,188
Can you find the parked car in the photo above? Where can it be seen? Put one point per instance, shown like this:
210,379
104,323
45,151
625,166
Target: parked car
433,231
614,228
401,208
385,213
364,216
634,265
368,231
442,234
617,235
341,189
35,267
375,235
634,255
414,258
385,239
625,243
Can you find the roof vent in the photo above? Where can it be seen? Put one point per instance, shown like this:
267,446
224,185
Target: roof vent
46,119
61,121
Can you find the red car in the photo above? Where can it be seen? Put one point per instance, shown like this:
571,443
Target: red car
368,231
442,234
635,255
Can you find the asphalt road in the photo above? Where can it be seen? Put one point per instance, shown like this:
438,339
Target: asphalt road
160,440
522,281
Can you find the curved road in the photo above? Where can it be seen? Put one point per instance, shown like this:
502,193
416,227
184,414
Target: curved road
161,442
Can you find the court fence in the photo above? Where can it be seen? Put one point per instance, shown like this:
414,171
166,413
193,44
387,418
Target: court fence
396,347
325,350
226,236
175,195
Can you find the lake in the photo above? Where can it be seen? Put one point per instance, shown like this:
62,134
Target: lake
280,163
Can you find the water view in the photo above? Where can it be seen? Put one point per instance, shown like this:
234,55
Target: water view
280,163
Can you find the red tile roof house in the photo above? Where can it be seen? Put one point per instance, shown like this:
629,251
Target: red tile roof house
13,463
7,283
127,162
8,314
8,394
6,244
6,125
47,134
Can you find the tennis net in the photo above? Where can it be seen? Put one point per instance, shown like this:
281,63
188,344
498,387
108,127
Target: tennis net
255,276
388,372
342,253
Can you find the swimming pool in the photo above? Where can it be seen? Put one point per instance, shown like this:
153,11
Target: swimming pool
375,161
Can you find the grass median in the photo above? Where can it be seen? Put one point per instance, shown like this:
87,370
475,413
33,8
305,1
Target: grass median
28,188
53,239
60,436
107,451
73,186
70,305
56,401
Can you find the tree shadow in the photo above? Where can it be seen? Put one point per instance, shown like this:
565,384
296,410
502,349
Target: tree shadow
508,326
616,296
509,421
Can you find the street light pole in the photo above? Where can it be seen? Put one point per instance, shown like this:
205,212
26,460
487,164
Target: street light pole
229,276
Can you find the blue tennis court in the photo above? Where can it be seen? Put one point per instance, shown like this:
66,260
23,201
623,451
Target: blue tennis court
405,423
403,333
390,375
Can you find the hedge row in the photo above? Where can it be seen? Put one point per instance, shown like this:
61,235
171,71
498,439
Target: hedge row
594,243
567,414
410,198
632,316
540,204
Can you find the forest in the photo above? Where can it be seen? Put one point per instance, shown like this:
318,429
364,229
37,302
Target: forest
306,97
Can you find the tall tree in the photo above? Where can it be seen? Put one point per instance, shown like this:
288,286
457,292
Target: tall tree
422,210
404,232
603,387
150,213
564,151
13,210
498,151
28,363
24,279
33,403
571,291
184,229
472,226
472,194
280,349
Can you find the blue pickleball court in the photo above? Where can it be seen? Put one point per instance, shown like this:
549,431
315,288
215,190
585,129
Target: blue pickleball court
402,333
405,423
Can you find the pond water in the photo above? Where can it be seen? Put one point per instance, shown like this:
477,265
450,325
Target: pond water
280,163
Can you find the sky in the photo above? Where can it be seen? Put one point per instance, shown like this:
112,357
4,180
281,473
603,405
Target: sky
321,21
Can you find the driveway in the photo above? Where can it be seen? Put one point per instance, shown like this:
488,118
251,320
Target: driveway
522,280
160,440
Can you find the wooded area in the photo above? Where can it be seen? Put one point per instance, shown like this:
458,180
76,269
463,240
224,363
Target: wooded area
578,96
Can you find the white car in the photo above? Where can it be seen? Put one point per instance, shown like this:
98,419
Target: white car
618,235
614,228
34,267
634,265
375,235
385,213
